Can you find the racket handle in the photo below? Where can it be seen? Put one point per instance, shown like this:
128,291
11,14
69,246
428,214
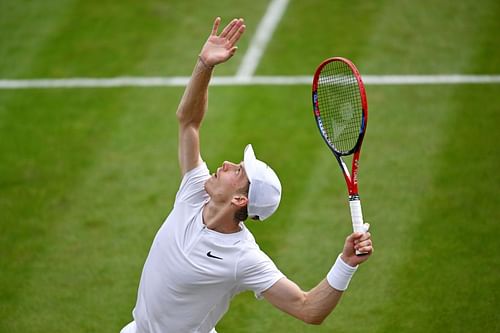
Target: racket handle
357,217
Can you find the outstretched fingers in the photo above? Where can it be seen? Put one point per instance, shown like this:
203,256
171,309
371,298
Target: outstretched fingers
236,37
216,26
220,47
235,29
228,28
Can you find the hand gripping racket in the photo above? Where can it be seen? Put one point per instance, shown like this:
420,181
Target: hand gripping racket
341,113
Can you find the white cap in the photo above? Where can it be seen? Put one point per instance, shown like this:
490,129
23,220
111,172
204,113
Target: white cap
264,193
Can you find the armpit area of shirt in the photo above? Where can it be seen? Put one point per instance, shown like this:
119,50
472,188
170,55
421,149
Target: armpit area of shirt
258,294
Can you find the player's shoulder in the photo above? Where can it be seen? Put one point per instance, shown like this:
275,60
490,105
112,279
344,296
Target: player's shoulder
251,253
247,239
201,170
192,188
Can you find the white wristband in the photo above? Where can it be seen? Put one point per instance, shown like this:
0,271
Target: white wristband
340,275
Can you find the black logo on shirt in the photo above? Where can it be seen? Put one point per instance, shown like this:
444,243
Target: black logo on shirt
209,254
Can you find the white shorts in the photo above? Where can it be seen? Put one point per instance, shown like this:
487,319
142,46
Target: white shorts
131,328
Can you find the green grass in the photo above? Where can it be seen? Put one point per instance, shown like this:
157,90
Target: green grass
391,37
88,175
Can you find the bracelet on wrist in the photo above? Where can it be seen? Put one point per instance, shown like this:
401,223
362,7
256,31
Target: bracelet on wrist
207,66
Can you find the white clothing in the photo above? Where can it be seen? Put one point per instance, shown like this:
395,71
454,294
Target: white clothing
192,272
129,328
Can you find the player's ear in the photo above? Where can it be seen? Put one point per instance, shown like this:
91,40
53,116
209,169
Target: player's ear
240,200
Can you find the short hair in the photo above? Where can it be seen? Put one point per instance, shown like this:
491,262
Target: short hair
241,214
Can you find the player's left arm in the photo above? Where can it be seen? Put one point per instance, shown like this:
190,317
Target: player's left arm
218,49
315,305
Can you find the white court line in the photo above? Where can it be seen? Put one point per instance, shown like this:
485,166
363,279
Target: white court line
262,36
244,75
181,81
429,79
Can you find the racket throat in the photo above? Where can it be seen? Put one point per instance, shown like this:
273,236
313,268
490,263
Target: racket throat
347,176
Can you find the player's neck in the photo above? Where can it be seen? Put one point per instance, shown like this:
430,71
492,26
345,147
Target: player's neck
220,218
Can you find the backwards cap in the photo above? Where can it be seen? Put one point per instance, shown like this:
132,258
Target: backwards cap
264,193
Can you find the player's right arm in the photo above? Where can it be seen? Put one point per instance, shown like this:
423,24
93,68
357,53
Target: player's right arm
315,305
193,105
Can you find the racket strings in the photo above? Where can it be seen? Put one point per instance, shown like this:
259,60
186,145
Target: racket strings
340,104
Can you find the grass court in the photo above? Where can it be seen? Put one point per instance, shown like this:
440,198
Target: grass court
88,175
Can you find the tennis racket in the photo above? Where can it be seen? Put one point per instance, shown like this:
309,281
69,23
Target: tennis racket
341,113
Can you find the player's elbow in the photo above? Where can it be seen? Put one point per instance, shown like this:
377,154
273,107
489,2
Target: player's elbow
188,120
191,112
182,116
313,319
317,321
311,314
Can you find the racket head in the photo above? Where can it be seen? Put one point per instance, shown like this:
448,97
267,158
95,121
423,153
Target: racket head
340,105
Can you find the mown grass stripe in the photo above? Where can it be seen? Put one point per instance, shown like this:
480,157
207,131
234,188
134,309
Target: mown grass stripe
448,266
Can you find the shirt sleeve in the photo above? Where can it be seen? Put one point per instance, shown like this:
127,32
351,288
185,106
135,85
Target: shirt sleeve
257,272
192,188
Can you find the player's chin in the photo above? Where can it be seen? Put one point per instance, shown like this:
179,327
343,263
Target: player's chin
208,184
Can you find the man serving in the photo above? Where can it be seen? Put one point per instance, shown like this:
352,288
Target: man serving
203,254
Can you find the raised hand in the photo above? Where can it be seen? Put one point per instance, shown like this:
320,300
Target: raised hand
220,48
357,241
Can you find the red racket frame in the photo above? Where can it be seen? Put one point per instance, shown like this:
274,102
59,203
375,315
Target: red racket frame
350,178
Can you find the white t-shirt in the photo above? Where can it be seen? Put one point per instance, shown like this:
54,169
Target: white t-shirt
192,272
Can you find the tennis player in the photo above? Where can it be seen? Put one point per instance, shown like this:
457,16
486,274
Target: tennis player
203,255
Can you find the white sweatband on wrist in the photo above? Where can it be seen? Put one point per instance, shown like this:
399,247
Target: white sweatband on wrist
340,275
